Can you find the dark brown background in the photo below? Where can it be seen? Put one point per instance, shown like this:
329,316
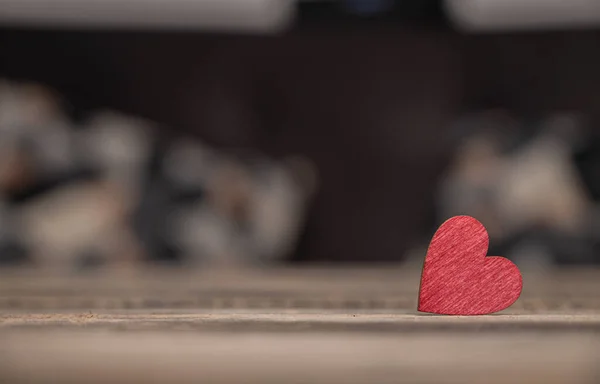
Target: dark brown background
369,103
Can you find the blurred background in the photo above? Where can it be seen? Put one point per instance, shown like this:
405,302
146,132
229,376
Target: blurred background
266,133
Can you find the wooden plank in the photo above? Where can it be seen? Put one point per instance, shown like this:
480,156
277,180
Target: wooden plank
288,325
159,357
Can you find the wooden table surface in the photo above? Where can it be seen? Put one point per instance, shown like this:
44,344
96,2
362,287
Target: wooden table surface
344,325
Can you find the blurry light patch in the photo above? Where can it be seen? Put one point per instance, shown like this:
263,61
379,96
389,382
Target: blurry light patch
509,15
212,15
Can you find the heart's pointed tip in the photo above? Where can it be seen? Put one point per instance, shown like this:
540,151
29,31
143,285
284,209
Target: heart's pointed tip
424,308
421,307
421,310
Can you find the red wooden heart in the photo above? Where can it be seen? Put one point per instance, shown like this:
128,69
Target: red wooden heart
458,278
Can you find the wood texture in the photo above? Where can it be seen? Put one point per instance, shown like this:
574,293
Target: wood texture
317,325
458,278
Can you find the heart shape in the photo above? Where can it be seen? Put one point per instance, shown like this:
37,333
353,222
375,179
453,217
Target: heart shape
459,279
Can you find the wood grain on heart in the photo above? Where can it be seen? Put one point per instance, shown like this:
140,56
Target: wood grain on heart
459,279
